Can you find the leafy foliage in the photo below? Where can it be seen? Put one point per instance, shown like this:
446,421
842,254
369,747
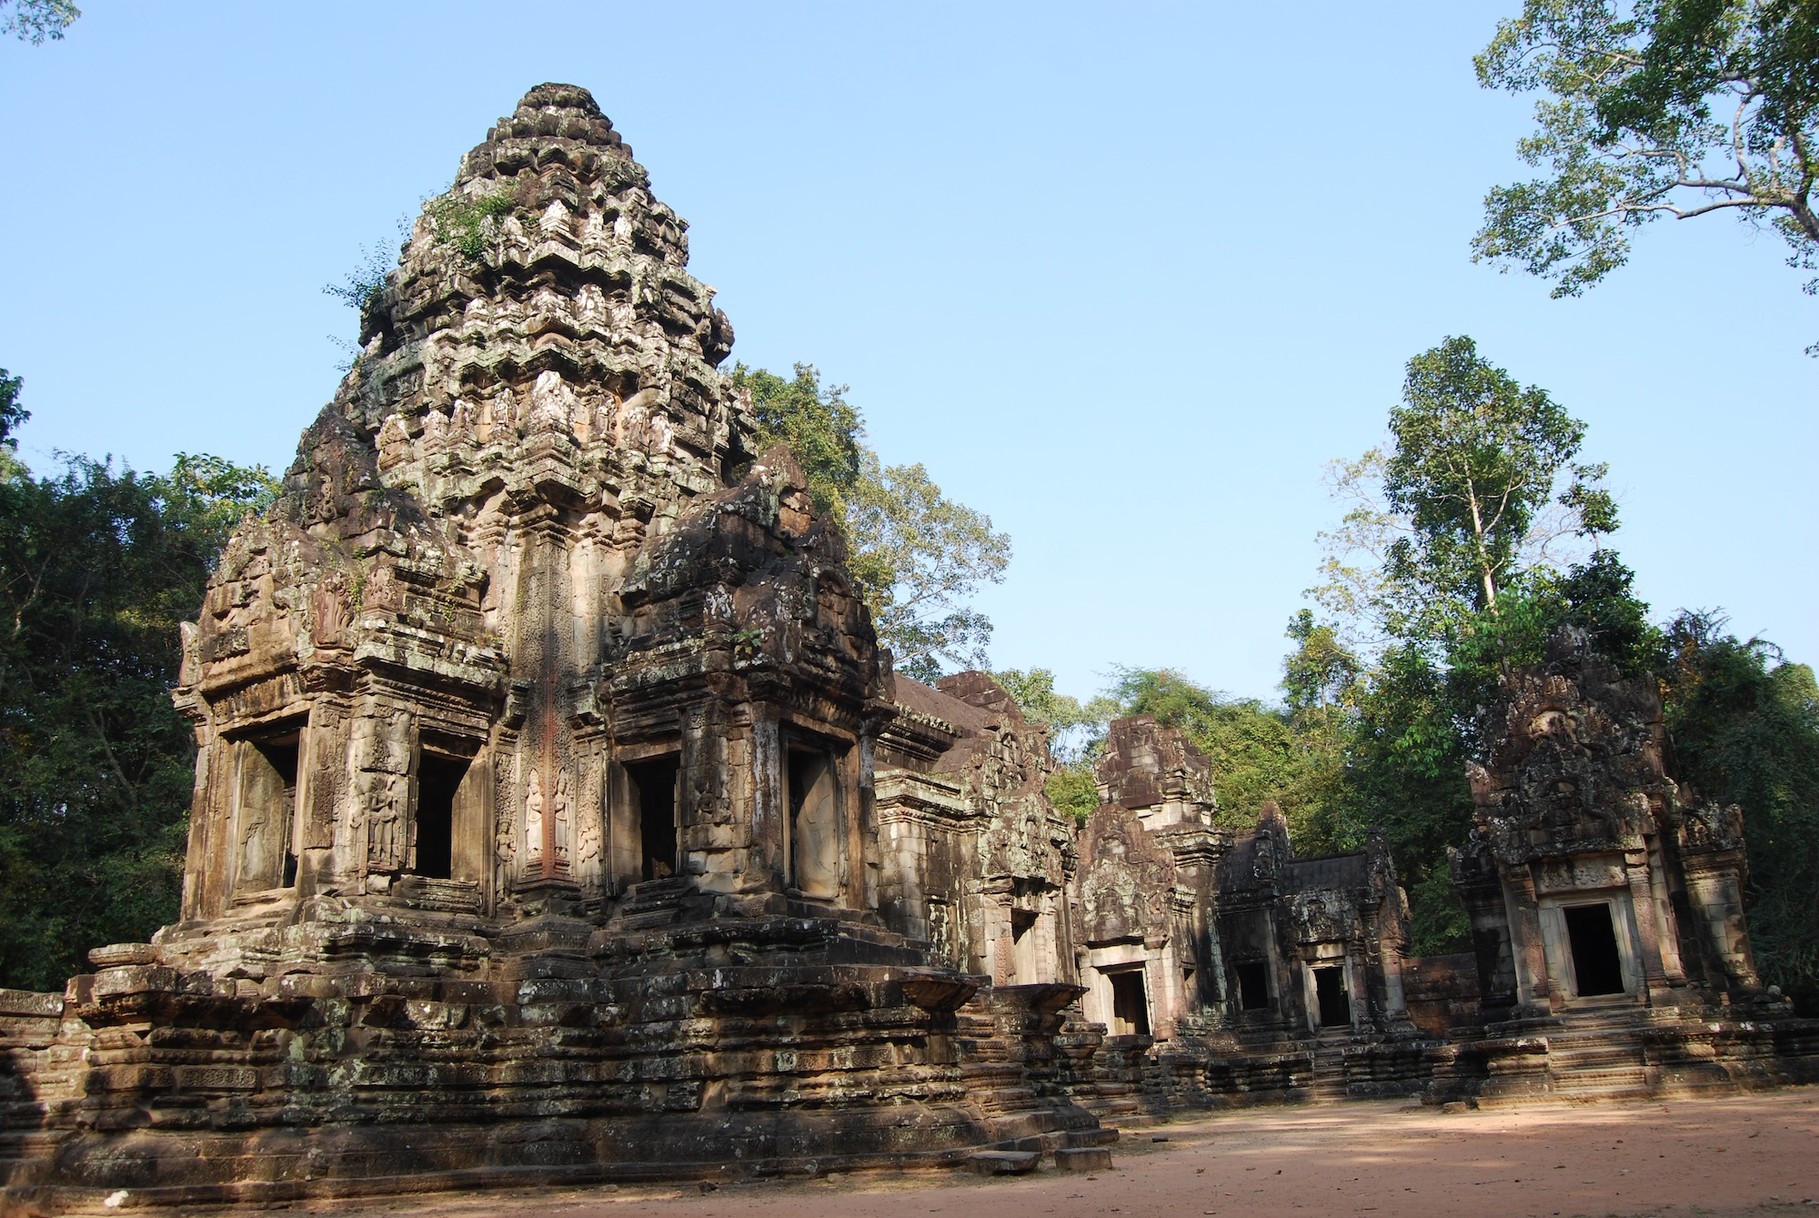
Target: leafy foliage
361,287
1745,726
11,413
1458,586
1071,723
821,428
468,222
919,555
1073,789
97,567
37,21
1258,752
1675,108
916,554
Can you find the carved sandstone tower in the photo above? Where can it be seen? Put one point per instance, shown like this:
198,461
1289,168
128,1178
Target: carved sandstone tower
523,630
534,830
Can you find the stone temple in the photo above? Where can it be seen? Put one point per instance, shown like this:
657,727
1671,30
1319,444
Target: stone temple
558,818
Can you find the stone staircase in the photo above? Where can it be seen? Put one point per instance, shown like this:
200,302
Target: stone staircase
1328,1069
1599,1055
1014,1071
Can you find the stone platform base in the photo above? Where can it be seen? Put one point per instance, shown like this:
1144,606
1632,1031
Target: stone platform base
721,1050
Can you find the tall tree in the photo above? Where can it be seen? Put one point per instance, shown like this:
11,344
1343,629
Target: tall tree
1076,732
12,414
917,555
1655,108
1475,459
1480,476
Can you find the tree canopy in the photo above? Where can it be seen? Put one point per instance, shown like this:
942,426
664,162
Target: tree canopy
37,21
1655,108
1745,727
1474,459
916,555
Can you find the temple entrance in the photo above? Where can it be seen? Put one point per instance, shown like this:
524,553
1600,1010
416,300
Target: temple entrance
1253,985
438,778
814,816
1130,1005
1023,946
266,812
653,790
282,757
1329,991
1592,937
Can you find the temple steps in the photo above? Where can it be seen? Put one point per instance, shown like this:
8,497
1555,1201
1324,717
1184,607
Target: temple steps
1327,1066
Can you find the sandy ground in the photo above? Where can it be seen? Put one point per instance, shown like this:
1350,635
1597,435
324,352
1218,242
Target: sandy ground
1754,1155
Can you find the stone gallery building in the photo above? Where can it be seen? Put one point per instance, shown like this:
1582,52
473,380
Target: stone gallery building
558,817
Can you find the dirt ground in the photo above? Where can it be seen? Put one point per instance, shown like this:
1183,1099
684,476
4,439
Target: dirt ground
1728,1157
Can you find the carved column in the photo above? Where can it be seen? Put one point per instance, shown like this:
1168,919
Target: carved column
770,819
1648,943
1528,952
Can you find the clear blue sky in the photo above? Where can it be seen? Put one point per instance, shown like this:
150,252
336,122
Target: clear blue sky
1123,276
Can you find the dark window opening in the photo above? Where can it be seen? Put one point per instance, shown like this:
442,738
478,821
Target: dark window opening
803,767
1253,985
1022,922
438,778
281,755
1335,1003
653,789
1593,938
1130,1007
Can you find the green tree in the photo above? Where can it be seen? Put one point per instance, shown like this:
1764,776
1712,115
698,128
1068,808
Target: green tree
1655,108
818,424
11,413
1257,753
1459,584
1475,459
1405,773
1071,723
1322,682
37,21
916,555
97,567
1745,728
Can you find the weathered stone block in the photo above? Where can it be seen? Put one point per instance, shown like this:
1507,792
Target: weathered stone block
1083,1158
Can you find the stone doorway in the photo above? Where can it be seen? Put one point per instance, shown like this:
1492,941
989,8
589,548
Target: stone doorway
438,779
1023,946
814,806
1130,1005
1331,998
1592,938
653,791
266,812
1253,985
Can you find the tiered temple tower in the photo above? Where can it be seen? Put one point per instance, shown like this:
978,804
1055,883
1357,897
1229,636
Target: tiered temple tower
534,833
528,625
